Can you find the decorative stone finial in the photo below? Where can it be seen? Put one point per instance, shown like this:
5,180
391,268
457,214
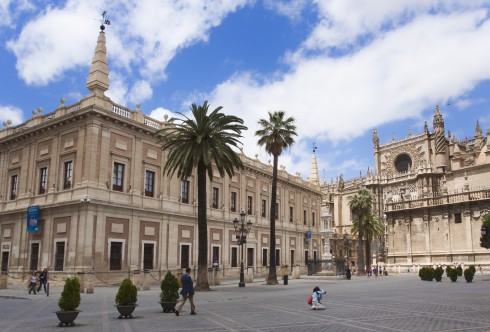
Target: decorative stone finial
375,138
426,127
62,101
478,131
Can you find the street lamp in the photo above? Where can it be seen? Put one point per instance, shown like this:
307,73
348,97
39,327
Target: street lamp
242,229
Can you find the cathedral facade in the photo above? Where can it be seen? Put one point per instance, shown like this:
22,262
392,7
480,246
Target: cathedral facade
431,190
82,190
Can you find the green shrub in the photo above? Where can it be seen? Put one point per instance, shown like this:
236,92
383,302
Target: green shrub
127,293
453,275
426,273
70,297
438,272
472,267
469,274
460,271
448,269
170,288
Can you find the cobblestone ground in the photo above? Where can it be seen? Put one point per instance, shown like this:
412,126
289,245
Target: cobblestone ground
392,303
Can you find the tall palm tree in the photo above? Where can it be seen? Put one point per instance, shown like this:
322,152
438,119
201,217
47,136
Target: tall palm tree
360,204
276,135
200,143
372,228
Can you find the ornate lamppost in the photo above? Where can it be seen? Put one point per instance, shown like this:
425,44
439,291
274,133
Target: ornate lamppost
346,248
242,229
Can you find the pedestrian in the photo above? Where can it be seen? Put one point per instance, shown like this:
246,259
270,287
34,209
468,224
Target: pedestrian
368,271
43,280
348,273
375,271
480,269
32,284
187,292
317,296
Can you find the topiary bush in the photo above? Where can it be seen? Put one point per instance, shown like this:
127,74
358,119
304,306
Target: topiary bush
460,271
448,268
426,273
438,272
453,275
469,274
472,267
127,293
170,288
70,297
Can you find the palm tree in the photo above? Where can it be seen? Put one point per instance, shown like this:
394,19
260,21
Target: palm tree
276,134
372,228
360,204
200,143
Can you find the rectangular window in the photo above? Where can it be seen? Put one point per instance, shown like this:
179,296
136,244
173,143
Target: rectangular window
234,257
304,217
313,218
215,203
277,211
67,174
118,177
115,256
59,256
185,256
215,256
264,257
43,180
148,249
457,218
233,202
249,205
14,182
34,256
278,257
250,256
184,192
5,261
264,208
149,184
291,214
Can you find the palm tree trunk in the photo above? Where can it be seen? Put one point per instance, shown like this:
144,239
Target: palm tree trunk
361,269
368,252
202,226
272,278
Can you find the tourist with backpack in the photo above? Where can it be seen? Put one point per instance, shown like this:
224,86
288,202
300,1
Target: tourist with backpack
314,299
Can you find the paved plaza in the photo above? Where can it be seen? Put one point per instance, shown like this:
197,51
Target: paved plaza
392,303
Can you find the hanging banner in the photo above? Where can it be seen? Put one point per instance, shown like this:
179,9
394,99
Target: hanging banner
33,219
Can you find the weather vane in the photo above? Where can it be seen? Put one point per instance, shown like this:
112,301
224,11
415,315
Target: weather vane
104,21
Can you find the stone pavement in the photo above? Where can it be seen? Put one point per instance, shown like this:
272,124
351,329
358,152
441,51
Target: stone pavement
392,303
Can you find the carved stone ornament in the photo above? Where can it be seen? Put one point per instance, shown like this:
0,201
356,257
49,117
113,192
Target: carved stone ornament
415,153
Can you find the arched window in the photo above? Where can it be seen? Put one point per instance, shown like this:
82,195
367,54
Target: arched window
403,162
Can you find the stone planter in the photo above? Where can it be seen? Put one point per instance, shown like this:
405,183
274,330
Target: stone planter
168,306
125,311
66,317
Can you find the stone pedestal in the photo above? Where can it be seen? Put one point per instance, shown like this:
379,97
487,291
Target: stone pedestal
146,280
89,283
296,272
249,276
3,281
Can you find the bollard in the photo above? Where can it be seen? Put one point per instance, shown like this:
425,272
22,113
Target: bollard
285,279
47,291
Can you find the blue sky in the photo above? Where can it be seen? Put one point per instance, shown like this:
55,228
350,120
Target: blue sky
340,67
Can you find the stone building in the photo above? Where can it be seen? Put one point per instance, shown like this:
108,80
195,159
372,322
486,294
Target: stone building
431,190
94,170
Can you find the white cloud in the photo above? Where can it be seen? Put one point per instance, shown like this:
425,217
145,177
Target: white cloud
140,91
12,113
414,64
10,10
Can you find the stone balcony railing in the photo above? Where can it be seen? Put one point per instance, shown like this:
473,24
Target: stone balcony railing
38,119
475,195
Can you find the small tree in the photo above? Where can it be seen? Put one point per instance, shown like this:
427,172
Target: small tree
127,293
453,275
438,272
459,269
170,288
70,297
469,273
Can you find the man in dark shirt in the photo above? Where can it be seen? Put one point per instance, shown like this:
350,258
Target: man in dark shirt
187,292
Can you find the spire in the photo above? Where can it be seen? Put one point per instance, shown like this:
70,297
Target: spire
98,77
314,168
438,121
375,138
478,132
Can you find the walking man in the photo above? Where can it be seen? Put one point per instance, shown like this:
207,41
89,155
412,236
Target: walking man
187,292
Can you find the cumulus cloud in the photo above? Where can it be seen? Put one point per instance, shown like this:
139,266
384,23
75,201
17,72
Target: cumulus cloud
11,9
12,113
415,58
160,113
140,44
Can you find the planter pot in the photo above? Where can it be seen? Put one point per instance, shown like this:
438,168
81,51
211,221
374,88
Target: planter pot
66,317
125,311
168,306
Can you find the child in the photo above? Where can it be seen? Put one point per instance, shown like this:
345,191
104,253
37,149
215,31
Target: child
32,285
317,296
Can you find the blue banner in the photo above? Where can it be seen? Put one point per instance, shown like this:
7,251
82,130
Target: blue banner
308,235
33,219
